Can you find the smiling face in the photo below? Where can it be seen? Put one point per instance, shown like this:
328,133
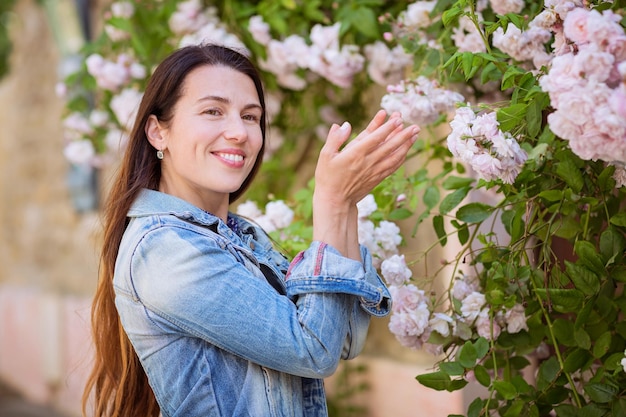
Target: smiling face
213,140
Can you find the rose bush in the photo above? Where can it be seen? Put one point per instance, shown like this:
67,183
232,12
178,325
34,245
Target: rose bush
523,109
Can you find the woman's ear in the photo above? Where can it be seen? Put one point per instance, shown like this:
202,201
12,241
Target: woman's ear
154,133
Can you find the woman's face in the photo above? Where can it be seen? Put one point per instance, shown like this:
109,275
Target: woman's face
213,140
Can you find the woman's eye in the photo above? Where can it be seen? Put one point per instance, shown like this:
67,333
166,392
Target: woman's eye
251,117
212,112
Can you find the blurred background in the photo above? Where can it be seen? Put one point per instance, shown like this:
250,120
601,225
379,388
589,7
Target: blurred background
50,240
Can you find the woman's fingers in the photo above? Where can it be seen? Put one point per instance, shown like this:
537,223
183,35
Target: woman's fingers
378,131
379,151
389,156
337,136
352,171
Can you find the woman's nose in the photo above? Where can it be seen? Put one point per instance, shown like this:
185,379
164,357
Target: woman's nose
236,129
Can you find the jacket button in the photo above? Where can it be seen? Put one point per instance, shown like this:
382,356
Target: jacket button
252,245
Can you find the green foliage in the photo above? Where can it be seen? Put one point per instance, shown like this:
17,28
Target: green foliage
558,206
348,384
6,6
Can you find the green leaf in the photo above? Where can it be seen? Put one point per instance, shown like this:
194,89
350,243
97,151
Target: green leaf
453,183
521,385
513,221
431,196
582,338
594,410
490,72
569,172
440,229
562,300
120,23
453,199
564,332
452,368
474,212
606,182
589,257
495,297
618,273
457,384
612,245
619,407
600,393
534,117
482,347
619,219
584,280
551,195
439,381
549,370
602,345
576,360
538,153
462,232
614,362
566,410
512,116
584,313
515,410
505,389
468,355
450,16
482,376
566,227
467,63
364,20
510,76
400,214
475,408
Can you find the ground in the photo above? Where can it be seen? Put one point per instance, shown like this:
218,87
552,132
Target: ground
13,405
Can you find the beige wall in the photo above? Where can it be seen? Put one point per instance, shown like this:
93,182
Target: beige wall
44,241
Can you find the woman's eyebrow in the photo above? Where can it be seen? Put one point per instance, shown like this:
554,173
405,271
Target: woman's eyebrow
215,98
226,100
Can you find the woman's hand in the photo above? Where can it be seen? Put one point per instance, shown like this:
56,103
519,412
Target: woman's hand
346,174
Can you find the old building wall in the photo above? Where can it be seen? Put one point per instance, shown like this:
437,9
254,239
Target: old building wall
45,242
48,251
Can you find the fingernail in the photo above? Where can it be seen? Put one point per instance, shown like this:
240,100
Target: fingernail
345,126
416,130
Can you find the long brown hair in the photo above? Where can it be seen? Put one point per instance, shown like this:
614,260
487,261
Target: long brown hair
118,382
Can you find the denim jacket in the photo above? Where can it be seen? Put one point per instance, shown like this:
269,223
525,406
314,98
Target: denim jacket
224,325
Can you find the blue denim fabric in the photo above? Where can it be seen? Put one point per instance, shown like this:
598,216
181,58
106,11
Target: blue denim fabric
214,337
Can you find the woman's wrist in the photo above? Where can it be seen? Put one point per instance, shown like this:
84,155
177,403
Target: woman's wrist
334,223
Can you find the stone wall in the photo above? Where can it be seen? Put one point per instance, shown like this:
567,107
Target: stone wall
48,254
45,242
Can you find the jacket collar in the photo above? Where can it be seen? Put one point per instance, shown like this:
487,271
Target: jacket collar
152,202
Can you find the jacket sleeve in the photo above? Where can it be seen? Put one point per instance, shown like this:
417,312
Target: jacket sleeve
173,282
321,268
317,270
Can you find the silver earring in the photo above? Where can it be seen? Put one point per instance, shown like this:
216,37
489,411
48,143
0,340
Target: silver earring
159,154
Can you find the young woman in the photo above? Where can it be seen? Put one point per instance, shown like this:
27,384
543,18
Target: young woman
195,313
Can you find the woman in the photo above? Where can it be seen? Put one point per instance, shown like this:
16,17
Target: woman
195,313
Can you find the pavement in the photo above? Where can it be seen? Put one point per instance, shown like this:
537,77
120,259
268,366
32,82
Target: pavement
14,405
